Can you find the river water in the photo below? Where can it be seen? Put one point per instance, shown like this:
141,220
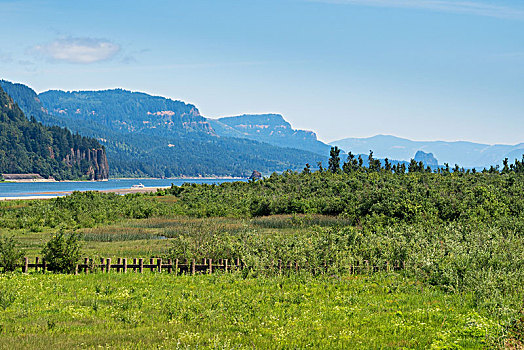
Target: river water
46,189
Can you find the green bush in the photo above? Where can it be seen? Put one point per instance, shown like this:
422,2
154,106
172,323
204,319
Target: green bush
62,252
9,254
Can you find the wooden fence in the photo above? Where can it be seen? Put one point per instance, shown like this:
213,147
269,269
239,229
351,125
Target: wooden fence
193,266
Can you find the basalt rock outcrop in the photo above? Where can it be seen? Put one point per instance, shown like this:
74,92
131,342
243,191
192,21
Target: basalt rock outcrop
428,159
29,147
96,158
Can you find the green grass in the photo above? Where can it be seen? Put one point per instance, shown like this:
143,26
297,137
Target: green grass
155,311
228,311
132,238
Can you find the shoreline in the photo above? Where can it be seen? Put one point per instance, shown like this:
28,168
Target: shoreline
132,178
35,194
55,194
182,178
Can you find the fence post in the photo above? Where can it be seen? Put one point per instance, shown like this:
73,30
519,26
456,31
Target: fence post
102,264
86,267
141,265
36,263
124,261
210,266
119,262
193,263
159,264
176,266
152,262
26,265
134,263
238,263
108,265
225,265
76,269
44,268
169,265
279,266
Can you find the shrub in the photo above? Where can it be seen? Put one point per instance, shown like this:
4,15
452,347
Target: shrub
9,254
62,252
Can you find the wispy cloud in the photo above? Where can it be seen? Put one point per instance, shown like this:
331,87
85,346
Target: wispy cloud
78,50
5,57
465,7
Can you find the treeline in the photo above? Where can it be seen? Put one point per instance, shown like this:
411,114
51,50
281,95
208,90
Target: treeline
357,163
363,195
27,146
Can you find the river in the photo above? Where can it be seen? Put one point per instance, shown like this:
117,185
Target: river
53,189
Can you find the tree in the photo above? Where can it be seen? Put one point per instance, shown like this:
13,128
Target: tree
320,167
351,164
387,165
373,164
62,252
505,169
334,160
307,169
9,254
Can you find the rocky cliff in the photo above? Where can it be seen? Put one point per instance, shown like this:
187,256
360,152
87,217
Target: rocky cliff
27,146
427,158
98,168
270,128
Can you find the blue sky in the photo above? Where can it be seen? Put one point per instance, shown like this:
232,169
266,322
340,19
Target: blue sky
420,69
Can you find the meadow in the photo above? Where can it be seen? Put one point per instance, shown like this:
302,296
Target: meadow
225,311
459,238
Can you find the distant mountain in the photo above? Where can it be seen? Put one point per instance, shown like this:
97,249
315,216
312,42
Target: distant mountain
28,147
466,154
270,128
428,159
153,136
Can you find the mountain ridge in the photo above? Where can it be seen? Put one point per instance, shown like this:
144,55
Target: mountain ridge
153,136
271,128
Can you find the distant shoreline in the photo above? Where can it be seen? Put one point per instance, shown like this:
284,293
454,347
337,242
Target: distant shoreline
133,178
182,178
122,191
54,194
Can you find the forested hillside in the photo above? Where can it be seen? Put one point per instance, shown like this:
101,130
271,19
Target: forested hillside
153,136
27,146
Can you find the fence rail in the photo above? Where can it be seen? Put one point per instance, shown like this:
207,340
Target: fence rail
193,266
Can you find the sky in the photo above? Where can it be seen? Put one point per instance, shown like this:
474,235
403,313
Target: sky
420,69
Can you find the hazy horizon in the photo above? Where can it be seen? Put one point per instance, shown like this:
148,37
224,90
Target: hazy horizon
420,70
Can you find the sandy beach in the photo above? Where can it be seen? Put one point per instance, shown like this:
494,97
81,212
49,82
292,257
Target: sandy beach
48,195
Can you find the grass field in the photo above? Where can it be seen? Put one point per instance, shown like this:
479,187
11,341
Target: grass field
226,311
247,309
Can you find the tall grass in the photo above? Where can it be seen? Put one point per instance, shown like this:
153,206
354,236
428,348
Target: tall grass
118,234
